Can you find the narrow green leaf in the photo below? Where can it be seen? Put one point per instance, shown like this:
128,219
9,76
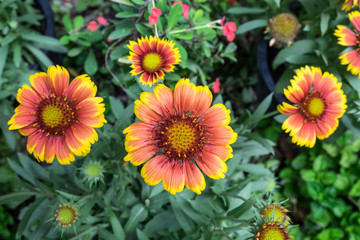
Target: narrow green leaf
262,108
186,223
250,25
324,23
40,56
245,10
25,219
16,196
17,54
174,15
10,37
3,56
117,108
115,224
140,235
91,64
126,15
9,135
137,214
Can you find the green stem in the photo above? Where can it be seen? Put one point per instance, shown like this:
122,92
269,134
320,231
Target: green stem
156,32
84,198
244,199
270,114
208,25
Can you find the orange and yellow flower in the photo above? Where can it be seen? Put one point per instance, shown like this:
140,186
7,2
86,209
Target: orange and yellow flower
58,117
348,5
150,57
347,37
273,230
179,134
319,103
279,213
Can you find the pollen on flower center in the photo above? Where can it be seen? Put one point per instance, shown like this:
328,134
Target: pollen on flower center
55,115
272,230
180,137
312,107
52,116
152,62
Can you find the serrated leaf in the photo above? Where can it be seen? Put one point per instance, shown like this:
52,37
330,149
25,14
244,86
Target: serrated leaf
174,15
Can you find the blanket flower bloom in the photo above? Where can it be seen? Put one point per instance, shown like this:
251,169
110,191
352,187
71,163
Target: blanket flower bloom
279,214
58,117
180,134
349,4
272,230
347,37
150,56
319,103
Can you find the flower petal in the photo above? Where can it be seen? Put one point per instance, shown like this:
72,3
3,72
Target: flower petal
59,77
145,113
40,83
202,102
154,170
346,37
138,130
220,135
287,109
217,115
353,59
184,96
63,153
174,179
354,18
194,179
166,98
211,165
141,155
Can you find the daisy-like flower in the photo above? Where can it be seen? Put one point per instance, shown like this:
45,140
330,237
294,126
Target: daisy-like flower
279,213
319,103
272,230
348,5
347,37
180,134
66,215
58,117
150,57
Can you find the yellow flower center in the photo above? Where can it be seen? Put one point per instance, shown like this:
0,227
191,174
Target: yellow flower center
93,170
55,115
152,62
316,107
52,116
66,215
272,231
180,137
284,27
312,107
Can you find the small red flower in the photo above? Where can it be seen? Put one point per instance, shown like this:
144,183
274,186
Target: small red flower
155,12
153,20
92,26
109,40
229,30
186,8
102,20
216,86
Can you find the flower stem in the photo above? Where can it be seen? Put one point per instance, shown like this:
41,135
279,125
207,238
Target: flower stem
156,32
208,25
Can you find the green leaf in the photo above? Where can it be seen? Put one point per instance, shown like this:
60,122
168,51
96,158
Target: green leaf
261,110
174,15
78,22
245,10
355,190
117,108
115,224
9,135
277,3
250,25
164,221
67,23
256,169
324,22
143,30
3,56
40,56
263,141
16,196
184,35
140,235
25,219
126,15
75,51
91,64
137,214
182,50
17,54
119,33
186,223
298,48
10,37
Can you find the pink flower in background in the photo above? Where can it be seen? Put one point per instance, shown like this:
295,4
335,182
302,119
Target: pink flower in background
229,31
155,12
230,37
222,20
102,20
186,8
153,20
216,86
109,40
92,26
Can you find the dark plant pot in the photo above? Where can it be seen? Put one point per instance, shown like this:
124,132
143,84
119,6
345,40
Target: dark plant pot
267,76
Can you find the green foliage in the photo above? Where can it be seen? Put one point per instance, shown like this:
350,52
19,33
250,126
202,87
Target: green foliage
325,180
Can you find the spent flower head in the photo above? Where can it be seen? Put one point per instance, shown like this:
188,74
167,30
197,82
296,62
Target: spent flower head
283,29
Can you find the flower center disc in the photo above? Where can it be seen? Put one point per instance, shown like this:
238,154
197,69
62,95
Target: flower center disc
312,106
180,137
93,170
152,62
271,233
55,115
52,116
66,215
